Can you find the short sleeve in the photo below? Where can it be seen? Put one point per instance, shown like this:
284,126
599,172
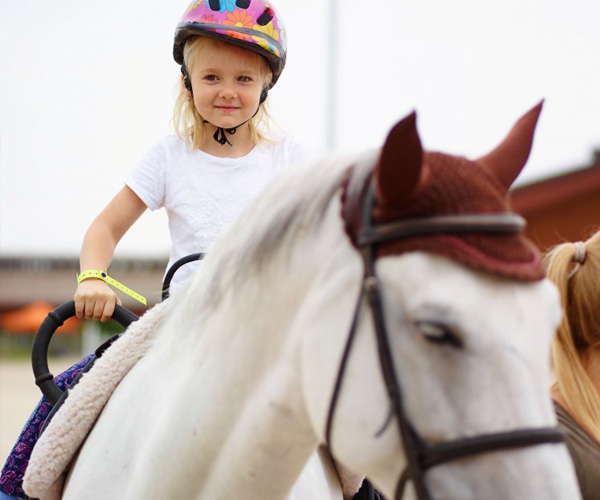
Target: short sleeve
148,179
298,153
286,152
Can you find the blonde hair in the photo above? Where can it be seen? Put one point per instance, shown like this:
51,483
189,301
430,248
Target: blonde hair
579,331
189,124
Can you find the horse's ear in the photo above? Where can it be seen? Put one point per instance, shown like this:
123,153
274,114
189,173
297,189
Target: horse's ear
509,158
399,169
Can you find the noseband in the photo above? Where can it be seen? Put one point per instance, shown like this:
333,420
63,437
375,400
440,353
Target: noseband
421,455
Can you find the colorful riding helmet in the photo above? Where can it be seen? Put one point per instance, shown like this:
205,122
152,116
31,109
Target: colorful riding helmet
251,24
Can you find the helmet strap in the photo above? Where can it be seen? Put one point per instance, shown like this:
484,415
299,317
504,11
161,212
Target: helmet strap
186,79
220,136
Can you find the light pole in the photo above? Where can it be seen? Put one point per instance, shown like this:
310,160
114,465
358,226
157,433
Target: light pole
331,72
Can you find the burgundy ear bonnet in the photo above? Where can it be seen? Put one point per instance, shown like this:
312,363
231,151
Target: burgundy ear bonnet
411,183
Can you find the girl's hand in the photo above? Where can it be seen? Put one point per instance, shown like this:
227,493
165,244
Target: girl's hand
95,300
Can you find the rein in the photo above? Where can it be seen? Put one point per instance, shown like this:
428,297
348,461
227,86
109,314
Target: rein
421,455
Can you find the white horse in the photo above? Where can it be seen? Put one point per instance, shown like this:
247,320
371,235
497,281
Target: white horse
253,368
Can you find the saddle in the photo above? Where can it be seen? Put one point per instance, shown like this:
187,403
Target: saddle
62,438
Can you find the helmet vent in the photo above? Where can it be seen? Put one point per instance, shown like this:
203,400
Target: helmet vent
214,5
243,4
265,18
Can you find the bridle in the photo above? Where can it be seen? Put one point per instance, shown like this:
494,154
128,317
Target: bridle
421,455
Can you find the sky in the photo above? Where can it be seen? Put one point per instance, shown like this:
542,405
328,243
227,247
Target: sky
86,88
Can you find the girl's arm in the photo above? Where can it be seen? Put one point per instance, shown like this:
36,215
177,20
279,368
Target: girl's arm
93,297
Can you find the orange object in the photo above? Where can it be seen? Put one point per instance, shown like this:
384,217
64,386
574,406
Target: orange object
28,319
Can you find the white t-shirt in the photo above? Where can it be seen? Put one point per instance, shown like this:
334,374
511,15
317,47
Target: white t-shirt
203,193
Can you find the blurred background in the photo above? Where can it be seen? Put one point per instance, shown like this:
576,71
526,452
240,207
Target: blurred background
88,87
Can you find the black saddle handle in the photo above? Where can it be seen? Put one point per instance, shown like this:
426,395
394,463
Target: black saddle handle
173,269
39,351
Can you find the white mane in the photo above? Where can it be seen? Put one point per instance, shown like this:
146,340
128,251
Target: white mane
246,250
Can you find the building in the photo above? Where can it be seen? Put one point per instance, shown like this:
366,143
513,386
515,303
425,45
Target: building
561,208
27,279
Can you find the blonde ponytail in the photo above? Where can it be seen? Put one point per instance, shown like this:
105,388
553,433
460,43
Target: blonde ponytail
575,269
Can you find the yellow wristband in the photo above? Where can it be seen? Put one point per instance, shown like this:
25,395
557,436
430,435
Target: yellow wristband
101,275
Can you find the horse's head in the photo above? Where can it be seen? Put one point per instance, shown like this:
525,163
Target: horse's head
457,316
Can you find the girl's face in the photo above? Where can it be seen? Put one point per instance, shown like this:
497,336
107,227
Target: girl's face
227,82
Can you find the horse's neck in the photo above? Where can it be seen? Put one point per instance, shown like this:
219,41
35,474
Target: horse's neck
251,364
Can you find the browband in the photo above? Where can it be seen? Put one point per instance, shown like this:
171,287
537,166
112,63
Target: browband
503,223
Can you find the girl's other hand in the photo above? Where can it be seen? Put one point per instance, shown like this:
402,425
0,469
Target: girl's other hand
95,300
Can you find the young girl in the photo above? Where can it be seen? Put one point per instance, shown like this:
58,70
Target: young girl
220,160
575,269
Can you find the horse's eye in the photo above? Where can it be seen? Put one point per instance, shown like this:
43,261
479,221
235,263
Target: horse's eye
439,334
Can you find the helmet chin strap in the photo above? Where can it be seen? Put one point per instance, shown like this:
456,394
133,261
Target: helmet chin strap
220,135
